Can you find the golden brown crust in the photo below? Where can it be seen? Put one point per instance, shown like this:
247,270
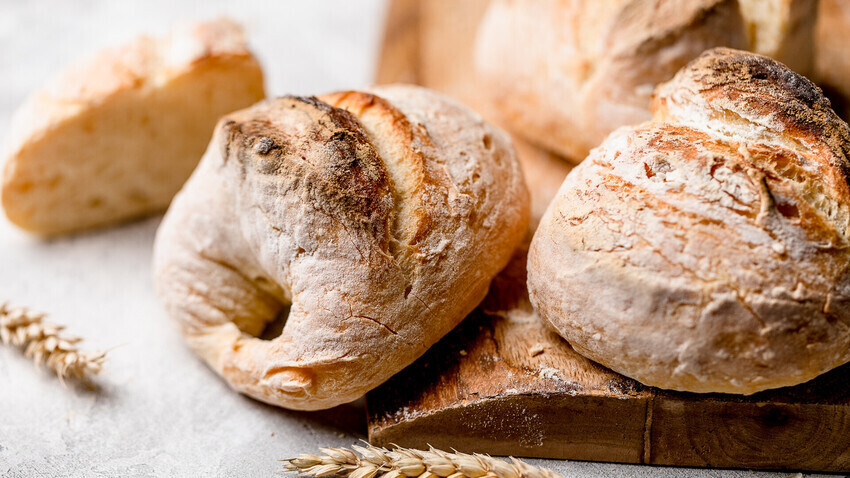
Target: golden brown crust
832,58
114,137
707,250
146,61
380,217
409,178
743,82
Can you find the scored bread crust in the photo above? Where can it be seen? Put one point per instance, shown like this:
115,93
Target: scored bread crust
379,216
116,136
707,250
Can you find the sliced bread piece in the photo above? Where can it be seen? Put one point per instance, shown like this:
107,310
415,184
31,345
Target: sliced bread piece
115,137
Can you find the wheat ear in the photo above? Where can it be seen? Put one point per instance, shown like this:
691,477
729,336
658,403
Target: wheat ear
42,342
404,462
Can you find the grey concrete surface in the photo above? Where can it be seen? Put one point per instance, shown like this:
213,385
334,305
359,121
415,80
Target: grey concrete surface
158,411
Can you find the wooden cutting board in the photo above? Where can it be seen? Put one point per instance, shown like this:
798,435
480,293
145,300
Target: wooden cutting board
503,383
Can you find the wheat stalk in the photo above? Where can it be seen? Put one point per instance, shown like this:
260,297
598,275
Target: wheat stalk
404,462
42,342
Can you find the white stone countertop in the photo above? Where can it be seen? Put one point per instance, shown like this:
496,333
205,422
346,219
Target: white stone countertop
159,411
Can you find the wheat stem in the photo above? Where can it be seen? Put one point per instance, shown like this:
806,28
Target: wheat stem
408,463
43,342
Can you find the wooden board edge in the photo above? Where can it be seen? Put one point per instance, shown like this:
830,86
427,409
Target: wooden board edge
617,428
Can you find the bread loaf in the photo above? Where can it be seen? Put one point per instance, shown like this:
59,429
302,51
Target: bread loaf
375,220
564,74
115,137
707,250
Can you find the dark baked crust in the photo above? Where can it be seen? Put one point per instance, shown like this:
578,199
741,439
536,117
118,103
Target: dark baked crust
378,217
328,155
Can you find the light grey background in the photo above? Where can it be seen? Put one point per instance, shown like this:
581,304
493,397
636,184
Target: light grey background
159,411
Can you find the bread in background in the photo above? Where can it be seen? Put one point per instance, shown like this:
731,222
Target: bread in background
564,74
783,30
115,137
707,250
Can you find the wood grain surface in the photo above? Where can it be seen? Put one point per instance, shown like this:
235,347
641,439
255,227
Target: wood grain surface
503,383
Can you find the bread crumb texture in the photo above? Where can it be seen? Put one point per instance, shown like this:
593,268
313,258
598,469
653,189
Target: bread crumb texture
114,137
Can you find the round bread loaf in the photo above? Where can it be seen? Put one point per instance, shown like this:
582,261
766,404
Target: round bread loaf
707,250
564,74
378,218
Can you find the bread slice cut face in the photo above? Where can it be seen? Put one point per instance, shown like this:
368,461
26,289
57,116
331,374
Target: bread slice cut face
115,137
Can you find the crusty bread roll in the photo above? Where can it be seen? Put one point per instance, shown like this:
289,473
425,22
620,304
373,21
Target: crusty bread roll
379,217
564,74
116,137
707,250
